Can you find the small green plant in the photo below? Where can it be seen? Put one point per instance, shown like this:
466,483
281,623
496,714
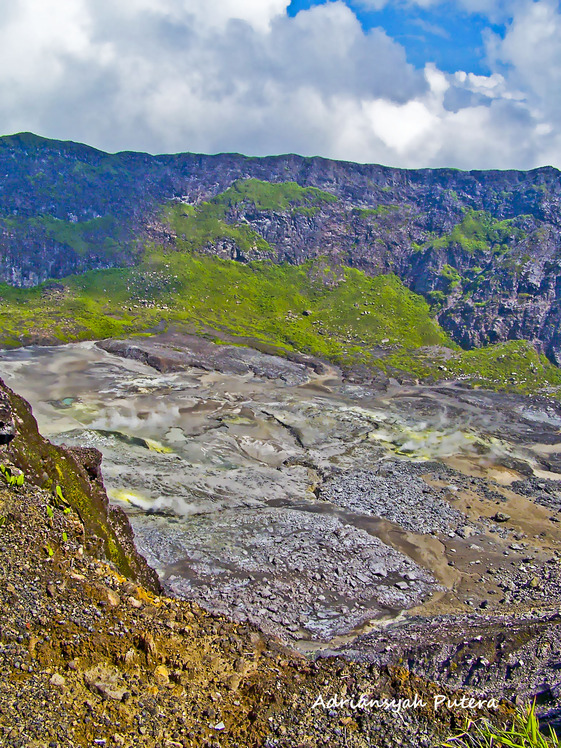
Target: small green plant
450,276
50,512
10,478
64,537
59,498
2,521
49,551
478,231
523,733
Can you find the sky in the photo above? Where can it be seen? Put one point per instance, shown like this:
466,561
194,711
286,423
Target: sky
470,84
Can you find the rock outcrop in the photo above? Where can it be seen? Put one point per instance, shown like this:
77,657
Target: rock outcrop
73,479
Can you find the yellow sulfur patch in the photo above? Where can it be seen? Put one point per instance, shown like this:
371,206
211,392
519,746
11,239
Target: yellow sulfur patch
155,446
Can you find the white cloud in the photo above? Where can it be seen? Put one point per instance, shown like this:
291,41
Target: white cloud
207,13
217,13
35,37
531,48
399,126
233,75
492,86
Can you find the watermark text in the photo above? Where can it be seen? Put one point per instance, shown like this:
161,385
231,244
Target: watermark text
396,706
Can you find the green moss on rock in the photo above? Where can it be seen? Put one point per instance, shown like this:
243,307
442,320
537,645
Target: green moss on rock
46,465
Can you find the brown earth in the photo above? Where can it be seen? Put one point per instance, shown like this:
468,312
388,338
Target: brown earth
87,655
90,657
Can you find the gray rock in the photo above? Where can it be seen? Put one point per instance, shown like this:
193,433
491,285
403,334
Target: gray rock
501,517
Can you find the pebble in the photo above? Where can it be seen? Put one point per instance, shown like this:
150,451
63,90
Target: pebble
501,517
57,680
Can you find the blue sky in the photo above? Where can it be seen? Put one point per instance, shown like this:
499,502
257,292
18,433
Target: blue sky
469,84
449,36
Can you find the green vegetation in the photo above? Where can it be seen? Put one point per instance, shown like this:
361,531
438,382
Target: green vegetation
378,212
448,277
350,312
514,365
277,197
59,498
85,236
339,314
471,273
99,235
11,478
478,231
523,733
335,313
197,227
451,276
53,467
437,298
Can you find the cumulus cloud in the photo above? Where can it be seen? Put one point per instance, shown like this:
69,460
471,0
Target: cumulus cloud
240,75
531,51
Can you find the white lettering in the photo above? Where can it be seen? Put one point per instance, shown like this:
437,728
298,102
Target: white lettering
396,706
439,699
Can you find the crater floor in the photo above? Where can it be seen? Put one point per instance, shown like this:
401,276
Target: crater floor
320,510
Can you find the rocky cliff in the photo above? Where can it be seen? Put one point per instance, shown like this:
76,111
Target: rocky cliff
483,247
72,482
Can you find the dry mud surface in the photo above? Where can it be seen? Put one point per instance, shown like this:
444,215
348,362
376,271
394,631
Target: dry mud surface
384,524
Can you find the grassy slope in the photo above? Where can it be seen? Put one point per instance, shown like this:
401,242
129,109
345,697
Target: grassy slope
198,226
267,303
334,313
278,197
478,231
258,300
514,365
101,236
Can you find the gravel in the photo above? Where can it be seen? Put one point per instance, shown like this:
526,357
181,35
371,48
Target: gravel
395,493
